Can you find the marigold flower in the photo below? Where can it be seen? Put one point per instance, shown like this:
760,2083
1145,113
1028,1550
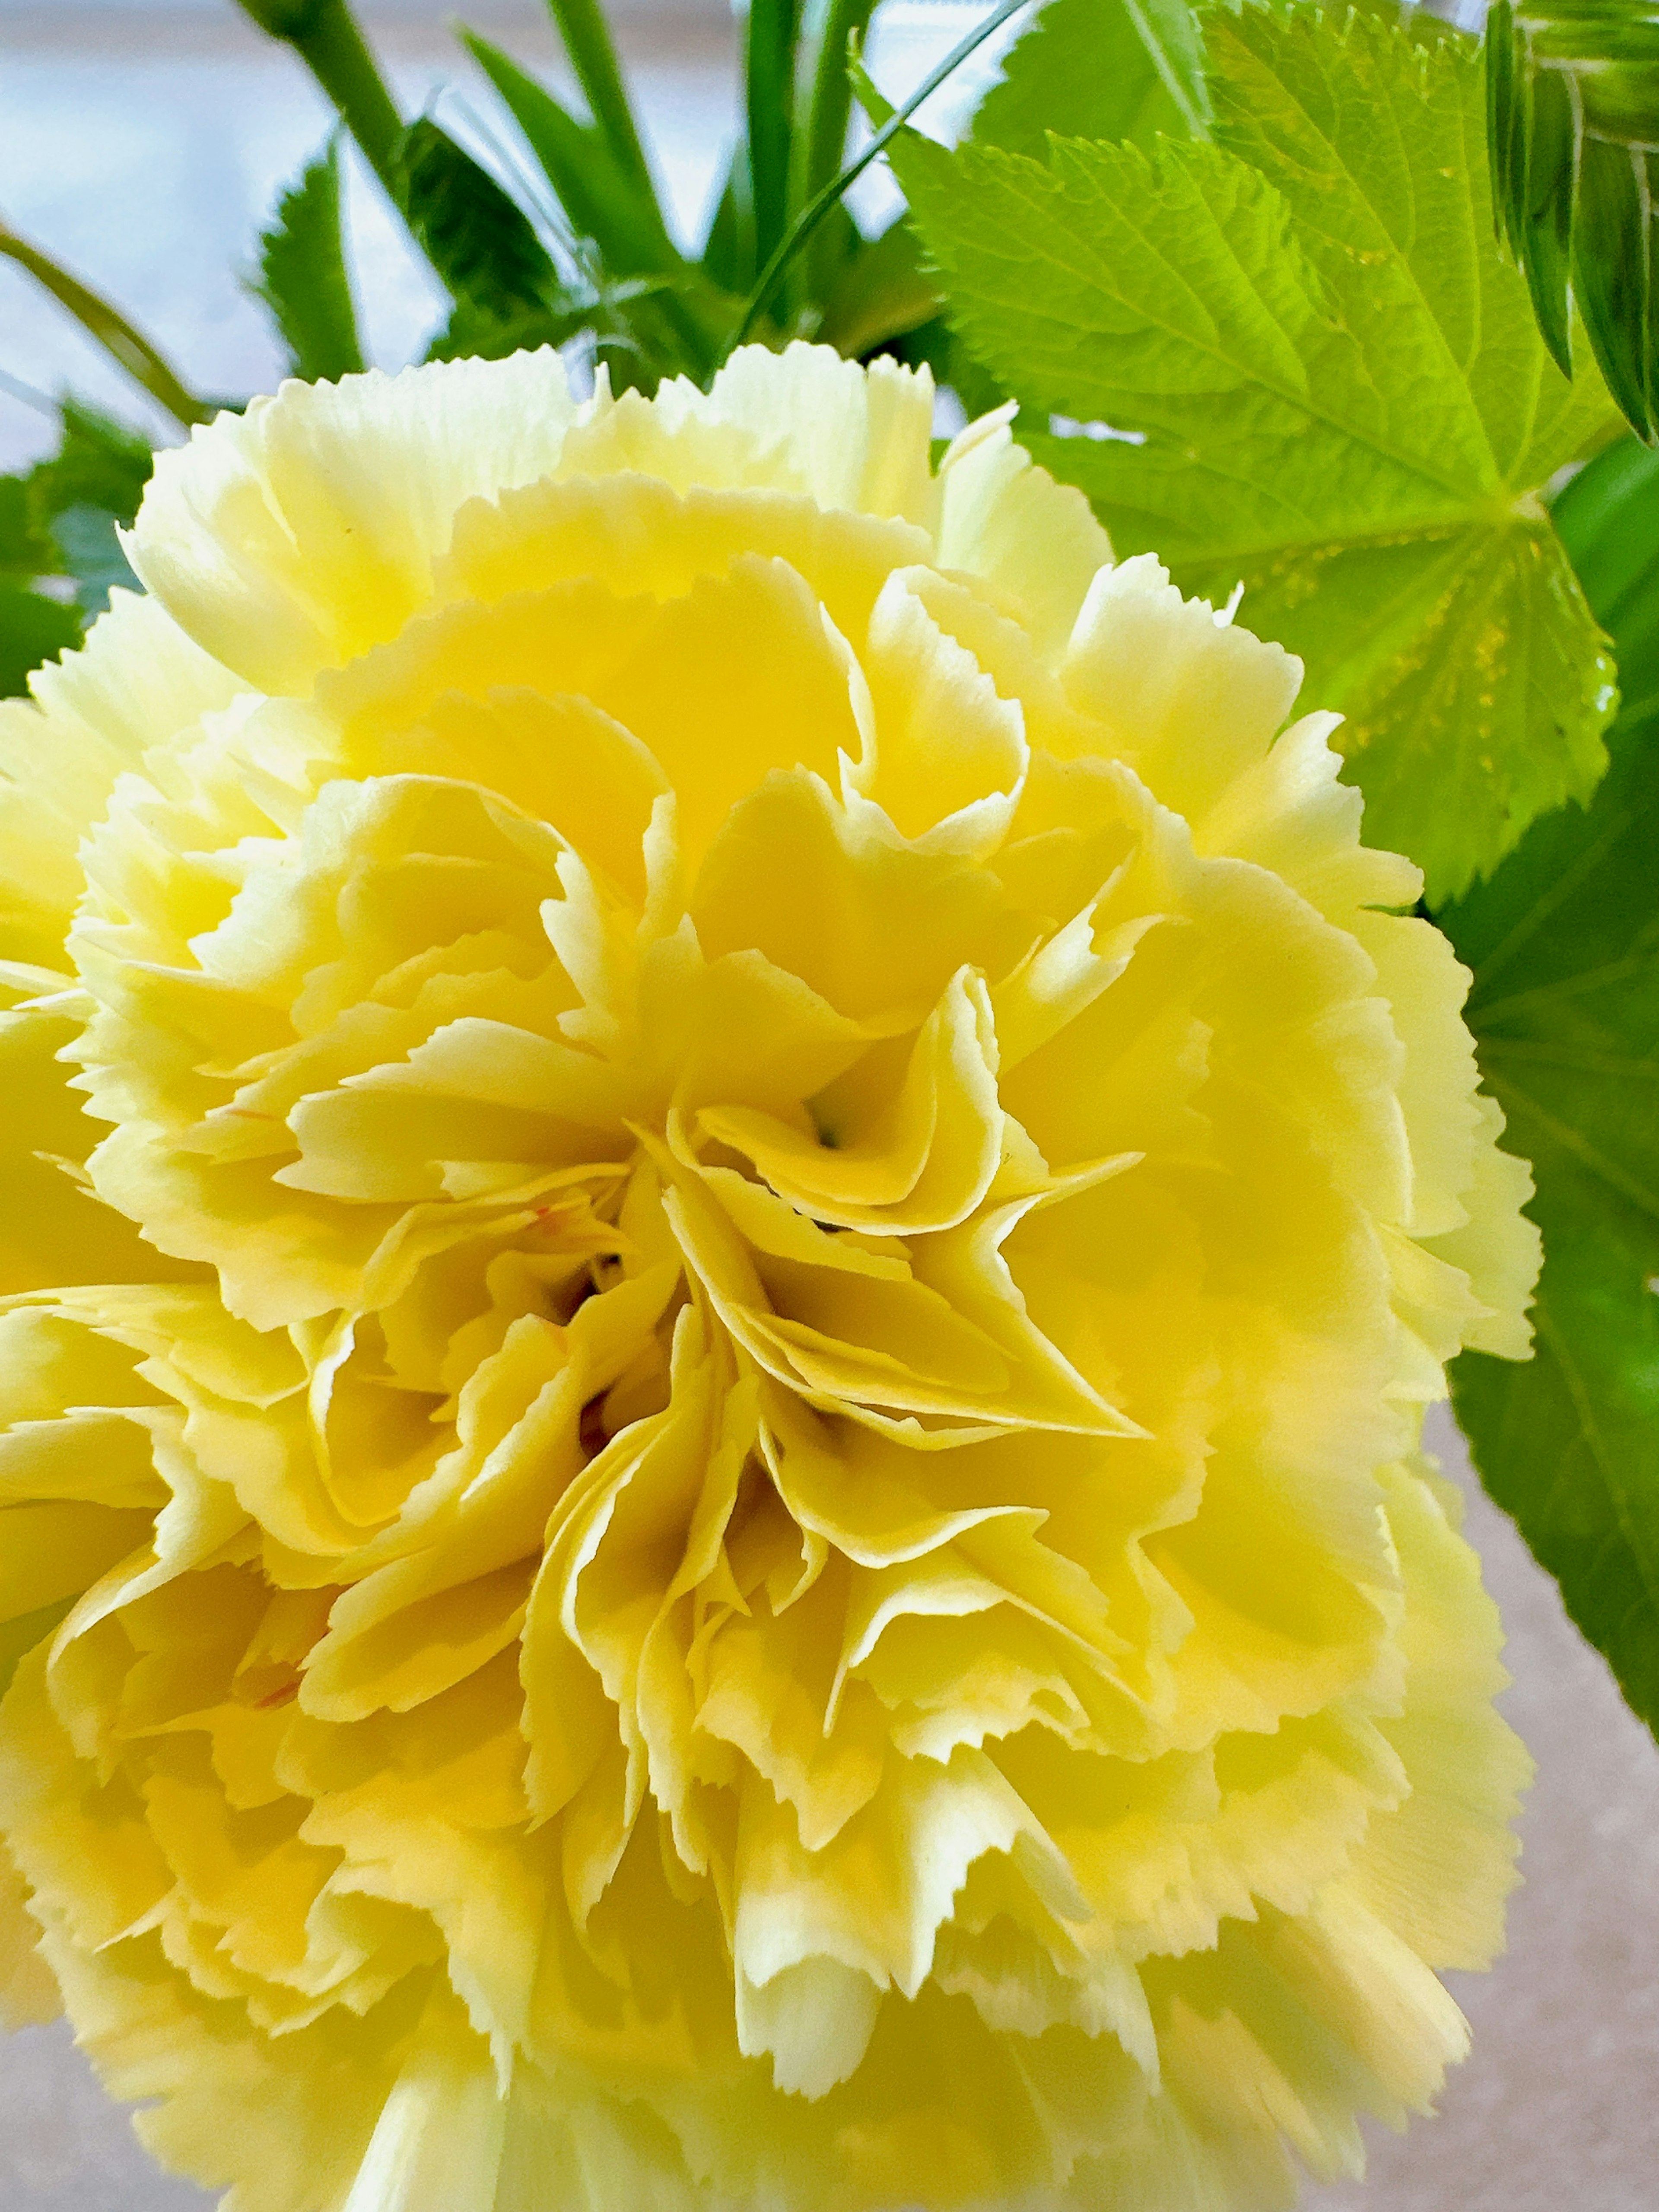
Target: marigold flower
712,1488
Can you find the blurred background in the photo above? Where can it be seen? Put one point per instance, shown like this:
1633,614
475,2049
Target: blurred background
142,142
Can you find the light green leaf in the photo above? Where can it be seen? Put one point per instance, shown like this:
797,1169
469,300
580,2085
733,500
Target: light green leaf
302,274
1341,398
1098,69
1564,945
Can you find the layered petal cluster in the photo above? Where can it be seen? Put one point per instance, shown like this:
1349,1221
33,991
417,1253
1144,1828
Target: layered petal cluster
729,1203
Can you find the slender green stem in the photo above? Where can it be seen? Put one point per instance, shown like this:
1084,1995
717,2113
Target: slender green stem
325,36
821,202
117,336
587,41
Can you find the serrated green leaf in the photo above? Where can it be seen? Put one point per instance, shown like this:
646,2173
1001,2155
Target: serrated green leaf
481,244
303,275
1123,70
1343,400
32,629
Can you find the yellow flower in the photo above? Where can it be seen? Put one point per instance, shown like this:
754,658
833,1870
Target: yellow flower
713,1488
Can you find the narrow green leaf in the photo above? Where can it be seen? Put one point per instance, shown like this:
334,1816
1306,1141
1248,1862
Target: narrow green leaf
844,24
109,328
1340,395
1098,69
1612,280
602,197
481,244
32,629
302,274
728,253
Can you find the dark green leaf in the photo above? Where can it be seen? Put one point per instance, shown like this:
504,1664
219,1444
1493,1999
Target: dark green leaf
32,629
481,244
1098,69
1339,394
302,274
26,550
1564,944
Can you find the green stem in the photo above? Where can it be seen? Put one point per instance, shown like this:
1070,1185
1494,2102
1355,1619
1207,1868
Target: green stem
821,202
587,41
111,330
774,27
325,36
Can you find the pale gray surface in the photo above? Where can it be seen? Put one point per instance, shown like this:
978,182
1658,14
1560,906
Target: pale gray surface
141,143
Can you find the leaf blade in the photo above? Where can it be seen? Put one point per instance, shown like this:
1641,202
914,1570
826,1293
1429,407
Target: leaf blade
303,275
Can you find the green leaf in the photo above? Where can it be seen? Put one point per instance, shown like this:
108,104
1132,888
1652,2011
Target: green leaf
1564,945
481,244
1098,69
602,197
32,629
302,274
1608,516
26,550
100,463
1340,396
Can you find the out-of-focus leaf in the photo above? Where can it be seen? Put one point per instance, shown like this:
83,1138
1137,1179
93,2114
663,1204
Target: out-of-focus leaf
302,274
26,550
728,253
1098,69
481,244
880,294
32,629
602,197
1341,396
1572,118
1608,516
325,36
100,462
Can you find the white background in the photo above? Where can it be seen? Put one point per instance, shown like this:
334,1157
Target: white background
141,143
